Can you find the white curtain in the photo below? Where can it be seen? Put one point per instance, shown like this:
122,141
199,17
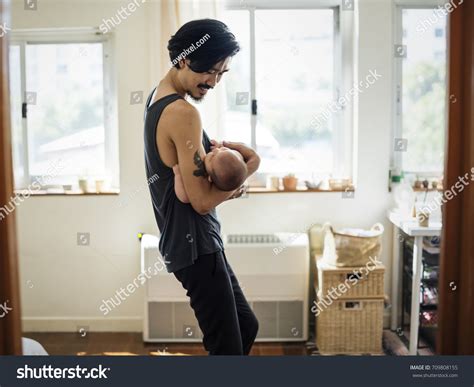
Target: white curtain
165,17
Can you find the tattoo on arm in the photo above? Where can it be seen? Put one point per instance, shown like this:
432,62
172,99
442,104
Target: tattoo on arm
200,167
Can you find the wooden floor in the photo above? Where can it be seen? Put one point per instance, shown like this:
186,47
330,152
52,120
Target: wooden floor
111,343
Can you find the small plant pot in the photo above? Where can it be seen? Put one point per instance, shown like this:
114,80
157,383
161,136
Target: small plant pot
83,185
273,182
99,186
423,218
418,184
290,183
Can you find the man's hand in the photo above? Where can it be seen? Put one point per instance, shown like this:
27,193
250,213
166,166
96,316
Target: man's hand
242,190
251,157
215,144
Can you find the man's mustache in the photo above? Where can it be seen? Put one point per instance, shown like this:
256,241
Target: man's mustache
205,86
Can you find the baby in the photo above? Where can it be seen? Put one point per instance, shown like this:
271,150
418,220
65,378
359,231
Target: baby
225,168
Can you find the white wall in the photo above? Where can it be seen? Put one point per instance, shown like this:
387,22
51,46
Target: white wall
62,284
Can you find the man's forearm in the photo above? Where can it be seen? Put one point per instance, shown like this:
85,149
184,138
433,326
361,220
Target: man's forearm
215,197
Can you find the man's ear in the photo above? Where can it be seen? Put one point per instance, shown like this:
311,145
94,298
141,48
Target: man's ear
182,63
186,62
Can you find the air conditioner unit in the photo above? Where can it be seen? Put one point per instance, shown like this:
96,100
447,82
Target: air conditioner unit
273,270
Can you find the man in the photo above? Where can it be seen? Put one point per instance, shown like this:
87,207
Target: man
190,242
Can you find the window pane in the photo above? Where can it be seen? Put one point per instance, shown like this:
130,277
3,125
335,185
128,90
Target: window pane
237,81
295,81
16,118
64,84
424,90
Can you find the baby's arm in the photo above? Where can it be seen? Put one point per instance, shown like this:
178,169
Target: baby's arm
179,185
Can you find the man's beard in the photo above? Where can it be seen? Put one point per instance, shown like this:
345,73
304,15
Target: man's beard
201,97
195,99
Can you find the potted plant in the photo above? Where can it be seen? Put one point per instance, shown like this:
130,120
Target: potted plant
83,181
418,183
290,182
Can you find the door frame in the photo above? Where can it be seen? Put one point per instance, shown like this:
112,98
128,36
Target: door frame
456,282
10,322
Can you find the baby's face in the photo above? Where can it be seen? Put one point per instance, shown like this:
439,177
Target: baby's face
213,157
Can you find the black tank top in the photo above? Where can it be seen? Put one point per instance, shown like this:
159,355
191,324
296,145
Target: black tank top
185,234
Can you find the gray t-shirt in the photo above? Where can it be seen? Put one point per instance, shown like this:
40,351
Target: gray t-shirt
185,234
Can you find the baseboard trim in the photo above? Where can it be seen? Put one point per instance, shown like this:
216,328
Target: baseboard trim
89,324
117,324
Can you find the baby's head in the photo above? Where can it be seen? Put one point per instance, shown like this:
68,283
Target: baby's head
226,168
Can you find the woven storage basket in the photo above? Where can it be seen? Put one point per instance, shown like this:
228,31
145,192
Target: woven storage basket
351,280
343,249
350,327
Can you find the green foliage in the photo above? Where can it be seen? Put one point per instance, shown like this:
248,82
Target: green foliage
424,116
66,112
294,126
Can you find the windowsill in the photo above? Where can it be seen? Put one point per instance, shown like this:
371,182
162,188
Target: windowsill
429,189
65,193
252,190
263,190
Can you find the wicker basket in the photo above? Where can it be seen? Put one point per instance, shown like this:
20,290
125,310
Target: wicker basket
343,249
350,327
350,282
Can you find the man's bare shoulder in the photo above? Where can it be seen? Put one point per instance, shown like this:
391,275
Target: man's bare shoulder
181,111
180,119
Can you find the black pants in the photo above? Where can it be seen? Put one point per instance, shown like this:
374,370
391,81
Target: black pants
228,324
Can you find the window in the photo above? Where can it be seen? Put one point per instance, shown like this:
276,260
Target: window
421,92
237,81
61,126
289,69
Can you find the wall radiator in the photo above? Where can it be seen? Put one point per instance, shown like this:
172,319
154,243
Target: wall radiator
273,271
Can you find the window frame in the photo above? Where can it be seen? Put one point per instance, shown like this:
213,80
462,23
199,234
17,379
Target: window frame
396,159
344,147
24,37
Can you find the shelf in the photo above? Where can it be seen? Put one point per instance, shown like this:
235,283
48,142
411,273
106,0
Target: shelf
45,193
430,260
427,326
423,308
263,190
428,281
429,266
428,307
